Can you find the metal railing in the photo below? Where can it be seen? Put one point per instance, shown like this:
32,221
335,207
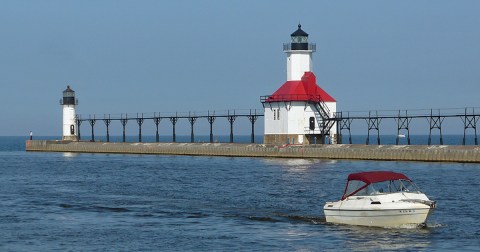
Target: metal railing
291,97
287,47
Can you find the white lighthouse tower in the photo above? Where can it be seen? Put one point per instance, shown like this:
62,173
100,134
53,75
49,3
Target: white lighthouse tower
69,125
299,112
299,55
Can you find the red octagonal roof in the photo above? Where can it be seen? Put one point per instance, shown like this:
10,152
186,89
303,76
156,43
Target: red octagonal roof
305,89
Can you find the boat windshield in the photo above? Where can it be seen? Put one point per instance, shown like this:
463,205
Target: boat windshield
355,187
392,186
360,188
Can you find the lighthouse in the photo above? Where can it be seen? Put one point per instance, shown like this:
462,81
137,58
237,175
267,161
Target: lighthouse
299,112
69,126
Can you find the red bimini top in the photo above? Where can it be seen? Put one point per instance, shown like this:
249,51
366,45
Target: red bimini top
305,89
377,176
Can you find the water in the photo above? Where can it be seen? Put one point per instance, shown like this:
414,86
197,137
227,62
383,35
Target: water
102,202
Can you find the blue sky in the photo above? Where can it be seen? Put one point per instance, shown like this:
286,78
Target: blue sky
167,56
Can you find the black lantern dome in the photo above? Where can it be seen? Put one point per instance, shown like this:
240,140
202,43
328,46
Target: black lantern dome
299,41
69,97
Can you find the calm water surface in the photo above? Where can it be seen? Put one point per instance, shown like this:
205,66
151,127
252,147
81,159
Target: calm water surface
100,202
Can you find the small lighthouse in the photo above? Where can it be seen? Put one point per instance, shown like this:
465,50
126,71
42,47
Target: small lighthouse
299,112
69,125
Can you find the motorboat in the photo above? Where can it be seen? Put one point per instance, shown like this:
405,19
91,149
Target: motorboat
380,199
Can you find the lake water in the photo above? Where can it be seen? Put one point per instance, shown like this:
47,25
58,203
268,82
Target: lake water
106,202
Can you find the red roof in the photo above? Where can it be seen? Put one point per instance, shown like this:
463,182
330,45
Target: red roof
376,176
305,89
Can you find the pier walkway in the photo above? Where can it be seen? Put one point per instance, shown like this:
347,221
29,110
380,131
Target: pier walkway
433,153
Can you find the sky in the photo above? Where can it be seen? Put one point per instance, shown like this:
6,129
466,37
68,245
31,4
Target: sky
125,56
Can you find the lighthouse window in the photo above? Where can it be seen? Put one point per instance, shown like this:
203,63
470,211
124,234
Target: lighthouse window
299,39
276,114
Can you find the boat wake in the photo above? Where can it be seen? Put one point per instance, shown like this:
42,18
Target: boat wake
94,208
282,217
307,219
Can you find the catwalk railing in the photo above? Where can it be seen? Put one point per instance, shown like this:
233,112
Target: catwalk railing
343,121
403,119
156,118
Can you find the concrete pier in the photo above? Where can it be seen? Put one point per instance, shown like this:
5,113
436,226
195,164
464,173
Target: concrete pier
433,153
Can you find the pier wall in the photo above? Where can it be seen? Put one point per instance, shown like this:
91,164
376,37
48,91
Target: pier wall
433,153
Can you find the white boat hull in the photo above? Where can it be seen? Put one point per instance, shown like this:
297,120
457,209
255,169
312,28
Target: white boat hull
379,218
389,210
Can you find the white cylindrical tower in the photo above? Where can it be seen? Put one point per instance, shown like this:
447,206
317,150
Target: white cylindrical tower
299,55
69,123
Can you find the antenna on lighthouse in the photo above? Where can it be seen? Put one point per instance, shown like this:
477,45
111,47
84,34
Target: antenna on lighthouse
69,125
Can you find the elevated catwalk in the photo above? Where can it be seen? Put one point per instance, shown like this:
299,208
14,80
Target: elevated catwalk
345,122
